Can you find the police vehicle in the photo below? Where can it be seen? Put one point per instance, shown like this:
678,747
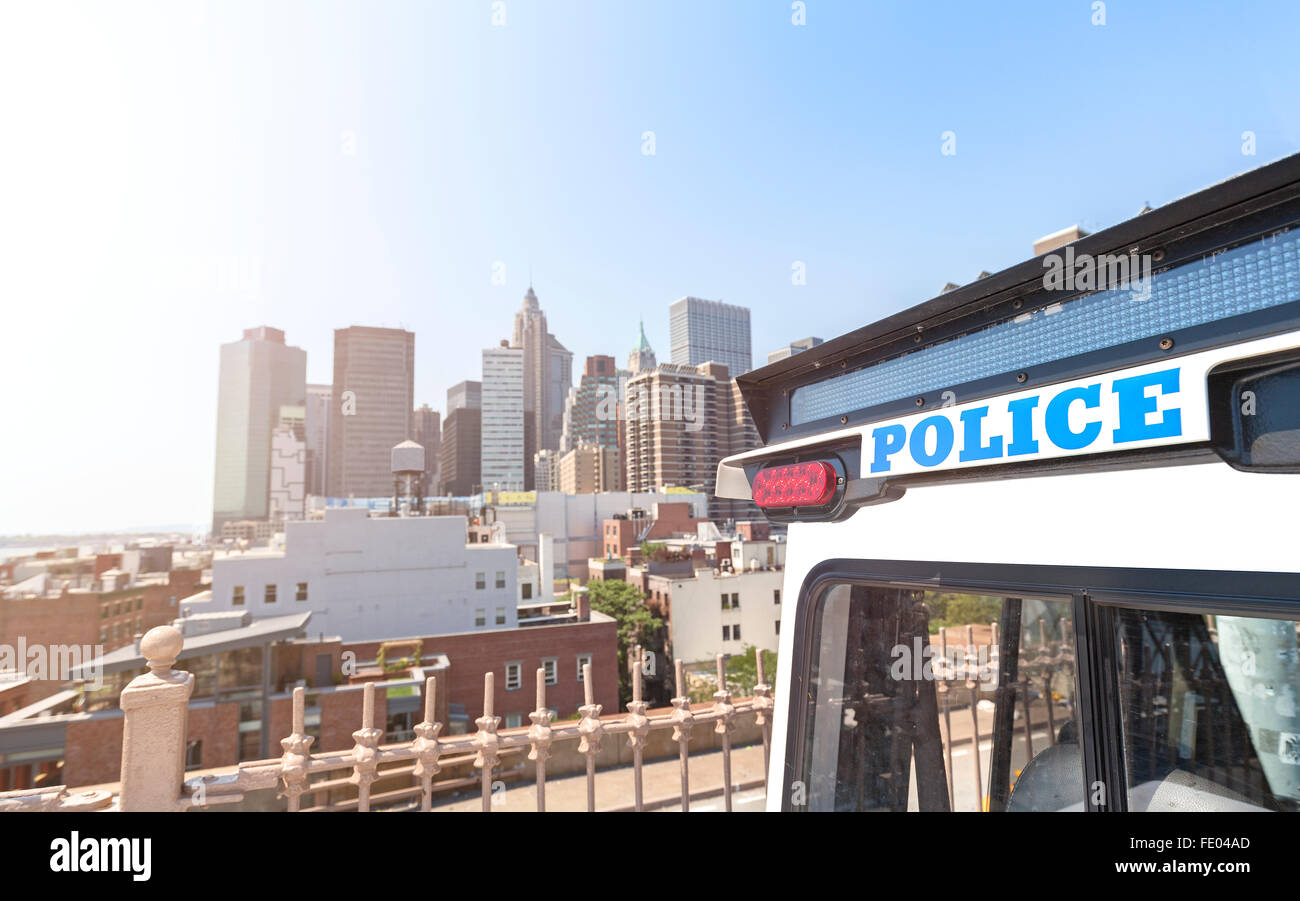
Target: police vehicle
1044,529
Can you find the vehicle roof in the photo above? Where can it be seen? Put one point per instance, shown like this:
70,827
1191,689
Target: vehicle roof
1230,199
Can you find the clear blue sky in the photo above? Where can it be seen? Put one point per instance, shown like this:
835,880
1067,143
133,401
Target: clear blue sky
176,172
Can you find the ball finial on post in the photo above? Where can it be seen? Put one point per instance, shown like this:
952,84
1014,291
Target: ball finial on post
160,646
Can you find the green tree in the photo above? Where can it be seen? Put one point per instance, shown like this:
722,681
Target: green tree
651,549
742,675
949,610
636,624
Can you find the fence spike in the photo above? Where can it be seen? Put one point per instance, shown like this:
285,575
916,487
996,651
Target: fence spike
296,760
726,710
426,745
639,725
365,753
486,741
682,720
591,730
540,736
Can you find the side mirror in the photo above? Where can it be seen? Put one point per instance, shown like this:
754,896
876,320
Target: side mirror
1265,415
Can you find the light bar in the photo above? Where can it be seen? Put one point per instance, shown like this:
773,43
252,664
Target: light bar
809,484
1254,276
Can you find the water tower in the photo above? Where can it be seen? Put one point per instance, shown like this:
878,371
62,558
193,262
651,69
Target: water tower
408,472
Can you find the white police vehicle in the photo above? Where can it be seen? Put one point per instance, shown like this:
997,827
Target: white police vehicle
1044,543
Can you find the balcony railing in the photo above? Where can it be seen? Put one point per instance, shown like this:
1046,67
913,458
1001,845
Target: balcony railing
154,739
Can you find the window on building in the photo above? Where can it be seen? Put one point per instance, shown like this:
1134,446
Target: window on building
269,596
194,753
526,591
726,633
514,720
103,611
513,676
776,595
501,616
726,602
480,581
480,616
301,594
735,632
551,667
103,634
139,603
583,660
237,597
735,602
778,627
501,579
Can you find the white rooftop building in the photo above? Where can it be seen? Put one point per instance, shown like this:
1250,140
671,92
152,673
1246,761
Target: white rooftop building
368,579
574,522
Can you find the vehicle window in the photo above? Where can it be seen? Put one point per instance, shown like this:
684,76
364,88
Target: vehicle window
1209,711
928,700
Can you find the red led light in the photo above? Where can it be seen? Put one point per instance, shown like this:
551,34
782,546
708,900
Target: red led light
796,485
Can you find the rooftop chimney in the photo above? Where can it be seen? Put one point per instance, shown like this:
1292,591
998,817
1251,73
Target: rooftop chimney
1048,243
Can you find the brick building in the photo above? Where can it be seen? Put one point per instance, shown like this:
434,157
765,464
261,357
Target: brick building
251,666
106,617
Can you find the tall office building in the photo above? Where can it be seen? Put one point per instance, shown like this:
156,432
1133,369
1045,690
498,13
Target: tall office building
682,420
587,469
464,394
259,374
794,347
591,411
546,472
548,373
288,490
428,433
503,431
319,400
459,473
374,387
710,331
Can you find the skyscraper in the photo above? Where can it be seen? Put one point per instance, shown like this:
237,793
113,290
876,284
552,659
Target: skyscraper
288,490
709,331
794,347
259,374
320,398
548,373
428,433
459,474
642,357
374,387
591,411
503,430
681,420
464,394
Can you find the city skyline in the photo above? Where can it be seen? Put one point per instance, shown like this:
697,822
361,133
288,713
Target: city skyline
414,166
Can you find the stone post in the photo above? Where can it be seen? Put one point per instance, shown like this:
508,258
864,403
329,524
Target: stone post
155,707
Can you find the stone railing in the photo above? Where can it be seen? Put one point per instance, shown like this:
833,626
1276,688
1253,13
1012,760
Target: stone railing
155,707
